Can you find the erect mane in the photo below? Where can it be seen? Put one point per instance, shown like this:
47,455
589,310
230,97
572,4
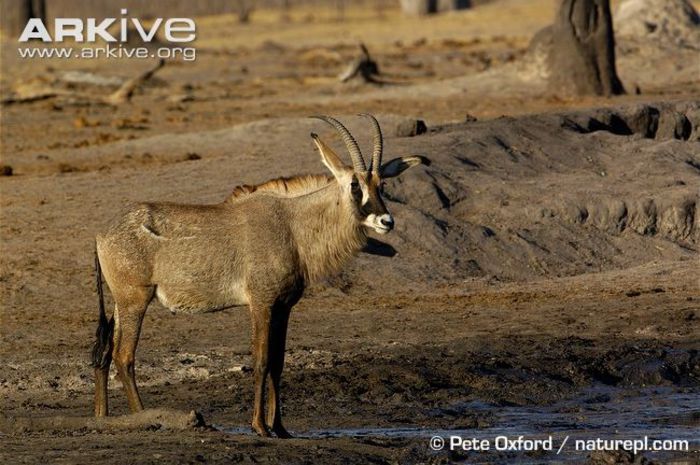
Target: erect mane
293,186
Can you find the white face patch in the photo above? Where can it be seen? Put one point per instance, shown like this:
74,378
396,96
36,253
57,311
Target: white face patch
365,194
381,224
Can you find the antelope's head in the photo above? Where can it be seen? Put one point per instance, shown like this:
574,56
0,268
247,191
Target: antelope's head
362,186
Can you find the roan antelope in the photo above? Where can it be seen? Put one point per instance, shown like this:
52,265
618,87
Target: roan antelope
260,247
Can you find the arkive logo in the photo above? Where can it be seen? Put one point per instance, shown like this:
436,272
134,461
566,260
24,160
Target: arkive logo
89,30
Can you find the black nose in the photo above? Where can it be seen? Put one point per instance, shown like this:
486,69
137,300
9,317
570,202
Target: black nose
389,223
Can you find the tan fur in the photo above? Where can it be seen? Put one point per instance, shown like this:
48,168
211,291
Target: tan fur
284,186
326,237
261,250
260,247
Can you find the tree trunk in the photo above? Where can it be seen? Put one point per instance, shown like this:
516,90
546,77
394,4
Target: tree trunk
426,7
15,15
418,7
582,57
38,9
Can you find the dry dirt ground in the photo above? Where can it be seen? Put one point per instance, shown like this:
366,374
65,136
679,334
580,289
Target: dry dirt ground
545,269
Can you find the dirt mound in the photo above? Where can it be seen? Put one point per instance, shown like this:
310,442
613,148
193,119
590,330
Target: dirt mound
508,199
544,195
661,23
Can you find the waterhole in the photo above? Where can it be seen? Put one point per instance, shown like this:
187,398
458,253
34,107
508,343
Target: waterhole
602,412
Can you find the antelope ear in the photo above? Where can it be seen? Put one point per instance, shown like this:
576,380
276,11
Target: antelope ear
398,165
329,157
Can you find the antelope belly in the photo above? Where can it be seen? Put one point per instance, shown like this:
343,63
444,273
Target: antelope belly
199,299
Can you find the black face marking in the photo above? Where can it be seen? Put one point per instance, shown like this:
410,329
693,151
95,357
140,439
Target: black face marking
373,205
356,190
366,209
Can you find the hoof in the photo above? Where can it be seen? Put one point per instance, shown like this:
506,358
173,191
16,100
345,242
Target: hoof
262,431
281,432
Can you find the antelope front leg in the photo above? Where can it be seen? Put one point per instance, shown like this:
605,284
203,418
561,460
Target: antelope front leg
278,337
260,319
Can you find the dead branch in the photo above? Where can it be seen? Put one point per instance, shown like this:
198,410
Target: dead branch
124,93
363,66
32,92
244,8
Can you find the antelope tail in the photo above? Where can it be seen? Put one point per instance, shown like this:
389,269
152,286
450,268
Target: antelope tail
102,350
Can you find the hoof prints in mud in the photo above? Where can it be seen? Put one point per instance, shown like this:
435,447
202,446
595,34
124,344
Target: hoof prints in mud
437,386
606,413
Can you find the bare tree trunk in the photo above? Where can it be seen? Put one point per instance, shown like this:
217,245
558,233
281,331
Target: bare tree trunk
380,7
38,9
244,8
582,54
418,7
340,9
286,7
15,15
426,7
450,5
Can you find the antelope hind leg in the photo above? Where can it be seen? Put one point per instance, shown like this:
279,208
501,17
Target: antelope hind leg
101,382
129,313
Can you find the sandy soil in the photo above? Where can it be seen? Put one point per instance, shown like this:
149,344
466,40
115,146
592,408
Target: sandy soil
546,262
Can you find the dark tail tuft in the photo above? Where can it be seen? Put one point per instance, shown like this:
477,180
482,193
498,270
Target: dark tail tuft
102,350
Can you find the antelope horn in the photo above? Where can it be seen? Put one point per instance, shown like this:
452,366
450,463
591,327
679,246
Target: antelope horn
378,143
358,162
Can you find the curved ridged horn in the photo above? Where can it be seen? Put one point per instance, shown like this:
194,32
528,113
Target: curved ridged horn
358,162
378,143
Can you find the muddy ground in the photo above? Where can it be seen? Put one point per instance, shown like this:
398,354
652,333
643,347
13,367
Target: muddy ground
544,277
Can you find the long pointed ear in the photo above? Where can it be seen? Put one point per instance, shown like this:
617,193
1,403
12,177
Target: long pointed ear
329,157
397,166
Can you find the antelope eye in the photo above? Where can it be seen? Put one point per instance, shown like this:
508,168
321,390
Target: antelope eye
355,186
